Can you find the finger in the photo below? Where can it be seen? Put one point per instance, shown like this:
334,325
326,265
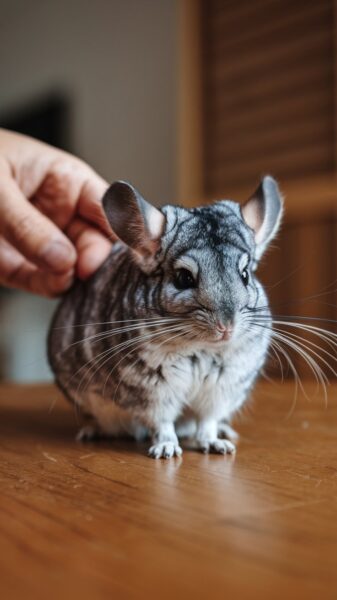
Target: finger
91,245
17,272
31,233
70,186
54,181
90,204
60,188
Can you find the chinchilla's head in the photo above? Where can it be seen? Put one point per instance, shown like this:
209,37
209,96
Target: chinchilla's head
200,262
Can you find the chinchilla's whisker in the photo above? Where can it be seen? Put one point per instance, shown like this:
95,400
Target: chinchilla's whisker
303,348
319,331
309,342
303,351
321,379
111,332
325,292
113,349
124,324
139,358
279,361
297,379
274,343
155,335
329,337
288,276
181,333
140,319
111,352
264,374
253,312
251,324
121,347
92,366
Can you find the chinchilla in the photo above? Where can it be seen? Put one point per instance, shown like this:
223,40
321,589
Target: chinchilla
163,332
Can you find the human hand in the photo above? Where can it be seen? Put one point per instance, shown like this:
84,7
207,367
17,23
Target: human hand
52,225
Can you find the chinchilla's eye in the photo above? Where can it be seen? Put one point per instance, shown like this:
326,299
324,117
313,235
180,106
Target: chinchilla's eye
183,279
245,276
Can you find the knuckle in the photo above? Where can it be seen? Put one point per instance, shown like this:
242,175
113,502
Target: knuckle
20,228
65,172
13,274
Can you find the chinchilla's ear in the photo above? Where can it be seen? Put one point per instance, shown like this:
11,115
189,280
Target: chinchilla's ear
263,212
136,222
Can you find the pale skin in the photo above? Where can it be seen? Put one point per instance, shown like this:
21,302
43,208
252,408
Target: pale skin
52,226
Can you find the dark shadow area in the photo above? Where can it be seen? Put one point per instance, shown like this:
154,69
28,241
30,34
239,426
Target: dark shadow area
39,423
60,426
47,119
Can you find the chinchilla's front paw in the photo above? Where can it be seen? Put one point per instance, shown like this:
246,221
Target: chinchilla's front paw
216,446
165,450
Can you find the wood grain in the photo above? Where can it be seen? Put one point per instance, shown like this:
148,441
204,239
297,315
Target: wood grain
105,521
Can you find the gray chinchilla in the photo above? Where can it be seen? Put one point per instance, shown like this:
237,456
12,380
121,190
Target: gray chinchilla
164,330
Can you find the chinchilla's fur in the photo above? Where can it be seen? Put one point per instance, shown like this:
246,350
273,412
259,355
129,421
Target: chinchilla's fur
162,333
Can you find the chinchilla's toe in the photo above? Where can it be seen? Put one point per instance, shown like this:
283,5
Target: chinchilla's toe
216,446
165,450
89,433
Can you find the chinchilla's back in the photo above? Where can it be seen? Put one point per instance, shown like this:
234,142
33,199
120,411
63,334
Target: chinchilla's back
80,316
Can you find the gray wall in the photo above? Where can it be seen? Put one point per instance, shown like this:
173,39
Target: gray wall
117,61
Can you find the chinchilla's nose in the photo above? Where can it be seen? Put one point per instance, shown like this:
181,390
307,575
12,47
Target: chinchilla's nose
225,314
226,329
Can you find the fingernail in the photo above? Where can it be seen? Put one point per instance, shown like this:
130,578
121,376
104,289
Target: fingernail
59,256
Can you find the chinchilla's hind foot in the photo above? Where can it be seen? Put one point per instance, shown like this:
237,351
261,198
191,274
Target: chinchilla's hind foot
208,441
90,433
216,446
93,432
226,432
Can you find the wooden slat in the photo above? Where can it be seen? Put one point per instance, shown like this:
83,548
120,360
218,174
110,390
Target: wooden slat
239,13
283,166
268,91
297,46
238,143
253,91
268,25
254,117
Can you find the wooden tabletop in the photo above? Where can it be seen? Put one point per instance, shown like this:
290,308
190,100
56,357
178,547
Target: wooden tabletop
104,521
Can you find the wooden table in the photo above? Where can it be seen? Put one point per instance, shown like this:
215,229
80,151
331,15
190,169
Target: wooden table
105,521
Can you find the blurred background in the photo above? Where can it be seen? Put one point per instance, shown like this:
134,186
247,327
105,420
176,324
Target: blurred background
190,100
